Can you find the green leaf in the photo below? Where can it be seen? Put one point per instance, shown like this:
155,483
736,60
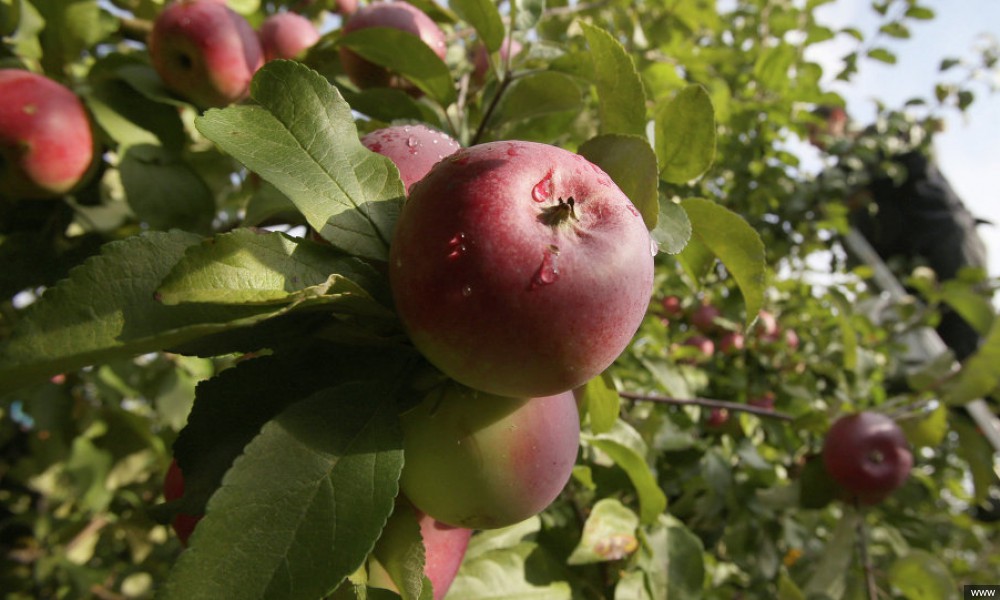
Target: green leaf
251,267
164,192
503,574
302,138
106,308
848,335
538,94
620,95
731,239
882,55
896,30
927,429
602,402
975,449
255,391
405,54
685,135
315,487
772,67
70,28
484,17
526,13
625,447
631,163
829,574
921,13
609,534
400,551
673,228
922,576
677,564
979,375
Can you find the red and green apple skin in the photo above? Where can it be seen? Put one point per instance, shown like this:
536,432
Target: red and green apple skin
205,52
520,269
479,461
46,141
287,35
395,15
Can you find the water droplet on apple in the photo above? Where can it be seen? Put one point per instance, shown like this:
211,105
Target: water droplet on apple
467,291
412,143
543,189
457,246
654,247
548,271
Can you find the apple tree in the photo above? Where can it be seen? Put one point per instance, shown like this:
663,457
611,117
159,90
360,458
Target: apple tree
471,299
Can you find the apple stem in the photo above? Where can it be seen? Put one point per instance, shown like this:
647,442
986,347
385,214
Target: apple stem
711,403
559,213
866,563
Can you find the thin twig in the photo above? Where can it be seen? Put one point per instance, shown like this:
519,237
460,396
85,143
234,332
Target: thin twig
866,563
504,84
710,403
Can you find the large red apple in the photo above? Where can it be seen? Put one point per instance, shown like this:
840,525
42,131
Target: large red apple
173,489
480,461
205,52
287,35
444,549
396,15
46,143
867,454
520,269
414,149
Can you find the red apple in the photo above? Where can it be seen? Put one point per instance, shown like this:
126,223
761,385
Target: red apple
718,417
767,326
481,58
444,549
396,15
287,35
173,489
520,269
205,52
672,306
867,454
346,8
414,149
46,144
732,342
481,461
705,346
765,401
703,317
791,339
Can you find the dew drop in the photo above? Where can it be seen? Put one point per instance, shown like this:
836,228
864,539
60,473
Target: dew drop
548,271
543,189
457,246
467,291
654,247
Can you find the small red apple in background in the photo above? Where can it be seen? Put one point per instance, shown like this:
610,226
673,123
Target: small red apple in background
732,342
173,489
396,15
767,326
672,306
205,52
481,461
867,454
791,339
287,35
481,59
703,317
46,143
718,417
705,346
345,8
444,549
765,401
414,149
520,269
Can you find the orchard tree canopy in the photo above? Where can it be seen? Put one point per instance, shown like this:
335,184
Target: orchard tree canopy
209,268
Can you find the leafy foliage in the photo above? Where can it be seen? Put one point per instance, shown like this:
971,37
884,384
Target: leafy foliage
215,292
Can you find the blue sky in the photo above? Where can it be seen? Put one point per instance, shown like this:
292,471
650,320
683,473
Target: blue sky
969,149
